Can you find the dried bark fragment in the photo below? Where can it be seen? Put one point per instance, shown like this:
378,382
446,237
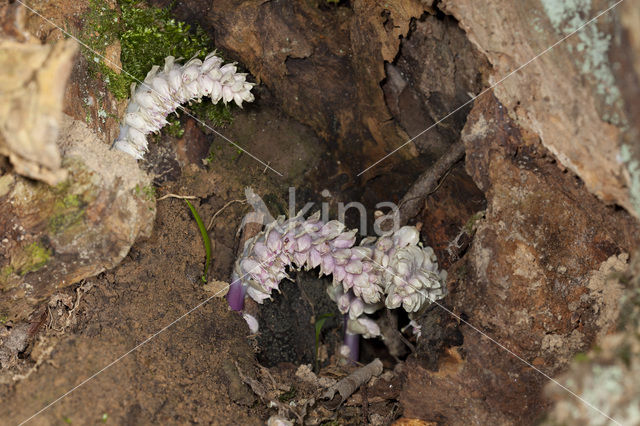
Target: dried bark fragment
342,390
32,85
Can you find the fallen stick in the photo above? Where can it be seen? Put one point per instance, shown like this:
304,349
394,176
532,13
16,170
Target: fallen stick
342,390
427,182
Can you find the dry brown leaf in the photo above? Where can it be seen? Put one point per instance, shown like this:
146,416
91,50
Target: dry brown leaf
218,288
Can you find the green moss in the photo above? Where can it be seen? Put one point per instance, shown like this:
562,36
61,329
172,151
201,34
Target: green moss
174,128
288,395
148,192
217,114
581,357
33,257
147,35
471,223
67,211
5,273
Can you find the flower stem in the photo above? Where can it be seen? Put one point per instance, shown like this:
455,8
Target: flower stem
353,343
235,296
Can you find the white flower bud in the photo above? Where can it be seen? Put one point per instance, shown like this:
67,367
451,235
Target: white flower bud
163,91
252,322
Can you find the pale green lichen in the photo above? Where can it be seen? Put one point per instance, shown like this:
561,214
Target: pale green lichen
471,223
5,273
568,16
604,380
633,168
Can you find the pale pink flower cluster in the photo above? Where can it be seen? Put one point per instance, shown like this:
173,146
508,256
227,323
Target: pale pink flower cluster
392,270
410,273
163,91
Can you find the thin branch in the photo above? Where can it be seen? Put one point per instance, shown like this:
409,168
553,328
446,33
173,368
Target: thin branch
428,182
342,390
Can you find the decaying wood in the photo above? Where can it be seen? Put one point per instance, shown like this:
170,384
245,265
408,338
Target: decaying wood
261,390
560,95
323,65
428,182
56,236
342,390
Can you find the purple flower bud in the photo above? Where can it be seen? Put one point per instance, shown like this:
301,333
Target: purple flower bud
315,259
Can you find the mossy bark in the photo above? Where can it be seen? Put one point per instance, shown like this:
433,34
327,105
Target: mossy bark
55,236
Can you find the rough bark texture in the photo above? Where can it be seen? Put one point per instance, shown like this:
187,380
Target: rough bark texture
532,279
436,71
428,182
608,376
56,236
325,64
576,97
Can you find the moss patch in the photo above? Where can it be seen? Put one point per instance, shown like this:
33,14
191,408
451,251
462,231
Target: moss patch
471,223
67,211
31,258
147,35
148,192
5,274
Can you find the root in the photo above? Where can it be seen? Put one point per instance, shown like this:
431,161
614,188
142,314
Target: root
428,182
342,390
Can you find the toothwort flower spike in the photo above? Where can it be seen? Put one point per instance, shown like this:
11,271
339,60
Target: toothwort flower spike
392,271
163,91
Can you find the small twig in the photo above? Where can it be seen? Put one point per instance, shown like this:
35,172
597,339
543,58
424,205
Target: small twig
52,322
365,405
266,372
342,390
220,211
181,197
259,389
428,182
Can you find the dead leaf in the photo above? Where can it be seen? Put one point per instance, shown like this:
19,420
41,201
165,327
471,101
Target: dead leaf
218,288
